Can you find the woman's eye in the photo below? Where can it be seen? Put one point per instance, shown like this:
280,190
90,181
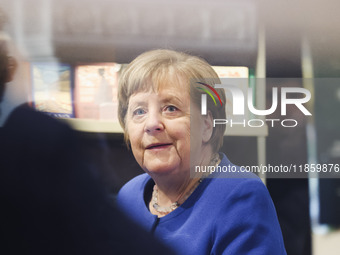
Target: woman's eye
171,108
139,112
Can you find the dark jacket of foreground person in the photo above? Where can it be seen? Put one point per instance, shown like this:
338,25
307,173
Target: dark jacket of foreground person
51,201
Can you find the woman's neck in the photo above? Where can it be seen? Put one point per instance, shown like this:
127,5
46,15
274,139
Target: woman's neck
171,191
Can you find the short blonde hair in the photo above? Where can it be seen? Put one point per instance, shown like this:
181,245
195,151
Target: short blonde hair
153,68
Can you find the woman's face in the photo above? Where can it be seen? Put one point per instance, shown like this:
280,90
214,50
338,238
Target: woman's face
158,125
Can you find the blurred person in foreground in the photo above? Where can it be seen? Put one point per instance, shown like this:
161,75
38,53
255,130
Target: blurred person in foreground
51,200
228,213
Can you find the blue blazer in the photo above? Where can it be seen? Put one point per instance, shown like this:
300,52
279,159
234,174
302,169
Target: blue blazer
222,216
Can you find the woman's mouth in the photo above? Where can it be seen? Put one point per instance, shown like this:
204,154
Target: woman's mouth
158,146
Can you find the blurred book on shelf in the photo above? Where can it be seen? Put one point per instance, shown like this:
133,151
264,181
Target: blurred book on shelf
96,87
52,89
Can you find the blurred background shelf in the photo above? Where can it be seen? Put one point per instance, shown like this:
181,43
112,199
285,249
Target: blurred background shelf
94,126
102,126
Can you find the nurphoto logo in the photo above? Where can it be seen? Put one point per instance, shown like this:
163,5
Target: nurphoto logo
238,104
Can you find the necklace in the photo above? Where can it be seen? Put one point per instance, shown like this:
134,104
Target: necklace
173,206
165,210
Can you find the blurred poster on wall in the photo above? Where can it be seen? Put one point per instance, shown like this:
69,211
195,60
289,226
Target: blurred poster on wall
96,87
52,89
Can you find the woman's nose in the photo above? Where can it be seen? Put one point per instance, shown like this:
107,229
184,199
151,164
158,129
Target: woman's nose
154,123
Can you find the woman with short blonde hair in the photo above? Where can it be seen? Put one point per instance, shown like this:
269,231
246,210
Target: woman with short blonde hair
194,212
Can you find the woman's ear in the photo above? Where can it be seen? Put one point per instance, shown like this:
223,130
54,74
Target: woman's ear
11,68
208,127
